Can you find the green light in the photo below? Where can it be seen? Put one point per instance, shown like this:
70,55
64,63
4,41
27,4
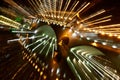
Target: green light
12,29
18,19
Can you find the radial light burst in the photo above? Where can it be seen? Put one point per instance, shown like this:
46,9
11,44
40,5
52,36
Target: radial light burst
41,42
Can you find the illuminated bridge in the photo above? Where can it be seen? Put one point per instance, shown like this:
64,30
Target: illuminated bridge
59,40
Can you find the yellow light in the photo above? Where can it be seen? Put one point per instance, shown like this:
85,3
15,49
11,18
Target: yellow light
56,79
41,73
34,54
118,37
94,44
107,33
33,64
65,17
58,16
23,58
89,30
84,29
78,22
103,33
8,21
96,31
44,77
115,35
29,59
60,43
38,69
70,18
110,35
43,69
22,51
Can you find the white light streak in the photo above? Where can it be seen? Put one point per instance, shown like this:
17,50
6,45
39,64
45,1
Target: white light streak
45,44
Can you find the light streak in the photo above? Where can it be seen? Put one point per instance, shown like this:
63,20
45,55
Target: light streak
108,26
73,68
38,45
72,9
42,11
12,40
50,7
45,44
90,24
61,3
24,32
46,7
7,21
55,8
58,70
65,7
33,37
33,6
53,50
84,69
12,3
99,68
84,5
93,15
19,70
106,17
36,41
49,47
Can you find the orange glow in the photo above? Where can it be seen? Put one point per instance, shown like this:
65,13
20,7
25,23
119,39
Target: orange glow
118,37
44,77
60,43
55,54
57,79
54,62
103,33
94,44
110,35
